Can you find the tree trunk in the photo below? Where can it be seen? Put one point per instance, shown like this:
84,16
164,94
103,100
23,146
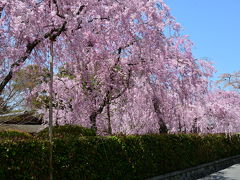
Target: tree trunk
51,112
161,123
194,126
93,117
109,120
179,125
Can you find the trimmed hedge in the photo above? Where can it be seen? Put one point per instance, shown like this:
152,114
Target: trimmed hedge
14,135
66,131
23,160
123,157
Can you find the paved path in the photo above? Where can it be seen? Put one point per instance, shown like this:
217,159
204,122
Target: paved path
27,128
231,173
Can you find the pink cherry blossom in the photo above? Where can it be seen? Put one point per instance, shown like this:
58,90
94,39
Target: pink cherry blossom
129,69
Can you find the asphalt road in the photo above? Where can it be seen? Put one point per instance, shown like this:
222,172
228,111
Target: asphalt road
231,173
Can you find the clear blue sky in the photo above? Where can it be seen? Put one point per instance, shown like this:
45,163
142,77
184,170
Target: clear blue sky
214,28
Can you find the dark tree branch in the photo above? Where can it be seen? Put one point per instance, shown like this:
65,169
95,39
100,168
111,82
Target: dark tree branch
80,9
101,18
58,13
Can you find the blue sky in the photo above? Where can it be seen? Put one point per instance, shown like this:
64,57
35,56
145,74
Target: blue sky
214,28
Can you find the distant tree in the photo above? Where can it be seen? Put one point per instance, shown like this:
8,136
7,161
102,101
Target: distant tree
217,112
3,106
230,80
17,94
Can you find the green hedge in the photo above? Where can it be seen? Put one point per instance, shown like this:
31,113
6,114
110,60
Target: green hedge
105,158
66,131
14,135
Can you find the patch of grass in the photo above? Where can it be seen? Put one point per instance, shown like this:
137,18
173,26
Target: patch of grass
67,131
12,134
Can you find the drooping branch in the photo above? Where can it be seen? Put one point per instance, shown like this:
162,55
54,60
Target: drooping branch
109,97
127,84
52,35
107,100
